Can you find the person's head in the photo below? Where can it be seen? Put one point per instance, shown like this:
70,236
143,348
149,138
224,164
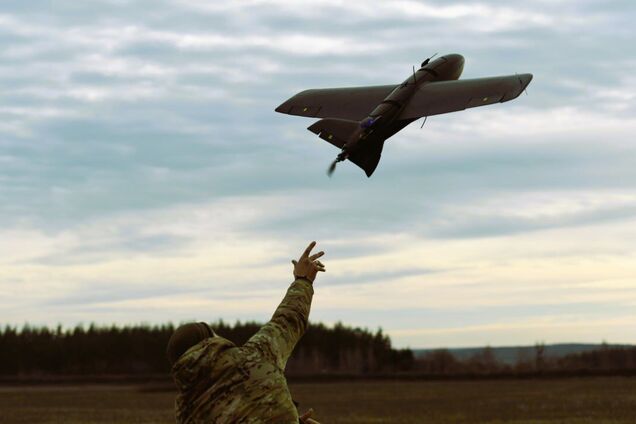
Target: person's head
186,336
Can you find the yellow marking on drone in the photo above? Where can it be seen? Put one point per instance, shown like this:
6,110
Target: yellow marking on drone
305,110
485,99
330,136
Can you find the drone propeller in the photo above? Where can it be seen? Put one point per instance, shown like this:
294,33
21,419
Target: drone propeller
332,167
428,60
341,156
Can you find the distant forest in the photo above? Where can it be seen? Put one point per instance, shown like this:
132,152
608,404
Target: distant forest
614,360
33,352
130,350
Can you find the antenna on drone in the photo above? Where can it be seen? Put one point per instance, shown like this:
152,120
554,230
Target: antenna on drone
428,60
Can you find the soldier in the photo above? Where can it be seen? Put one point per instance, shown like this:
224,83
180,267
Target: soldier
219,382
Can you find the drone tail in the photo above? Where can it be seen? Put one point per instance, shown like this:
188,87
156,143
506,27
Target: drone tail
338,131
368,156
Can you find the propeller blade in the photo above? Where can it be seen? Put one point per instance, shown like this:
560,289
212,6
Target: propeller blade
332,167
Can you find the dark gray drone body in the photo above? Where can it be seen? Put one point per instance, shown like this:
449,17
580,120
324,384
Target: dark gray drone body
358,120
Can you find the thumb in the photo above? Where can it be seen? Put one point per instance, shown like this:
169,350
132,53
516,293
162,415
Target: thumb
294,262
307,414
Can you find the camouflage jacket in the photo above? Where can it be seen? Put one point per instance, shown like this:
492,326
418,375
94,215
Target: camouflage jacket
219,382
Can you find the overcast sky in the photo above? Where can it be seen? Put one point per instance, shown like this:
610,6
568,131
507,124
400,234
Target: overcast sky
145,177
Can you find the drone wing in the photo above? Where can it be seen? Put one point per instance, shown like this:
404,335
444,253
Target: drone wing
450,96
352,103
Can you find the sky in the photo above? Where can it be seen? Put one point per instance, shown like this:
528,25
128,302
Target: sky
145,177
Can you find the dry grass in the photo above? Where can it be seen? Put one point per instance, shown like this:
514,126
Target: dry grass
567,401
606,400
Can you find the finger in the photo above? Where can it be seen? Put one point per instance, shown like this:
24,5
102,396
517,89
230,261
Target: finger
294,262
321,269
308,250
319,263
316,256
307,414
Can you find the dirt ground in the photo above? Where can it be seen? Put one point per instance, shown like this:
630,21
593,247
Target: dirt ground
566,401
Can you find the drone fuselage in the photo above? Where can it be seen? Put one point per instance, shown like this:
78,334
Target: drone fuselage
382,118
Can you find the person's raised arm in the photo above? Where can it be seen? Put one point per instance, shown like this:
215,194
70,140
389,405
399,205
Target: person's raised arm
277,338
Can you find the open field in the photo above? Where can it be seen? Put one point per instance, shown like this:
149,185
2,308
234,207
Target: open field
567,401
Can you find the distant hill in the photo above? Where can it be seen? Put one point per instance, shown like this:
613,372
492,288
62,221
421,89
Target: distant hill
510,355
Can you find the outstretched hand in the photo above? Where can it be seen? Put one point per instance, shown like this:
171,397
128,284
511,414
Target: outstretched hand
307,266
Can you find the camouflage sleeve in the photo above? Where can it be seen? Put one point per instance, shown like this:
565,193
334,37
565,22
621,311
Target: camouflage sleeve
277,338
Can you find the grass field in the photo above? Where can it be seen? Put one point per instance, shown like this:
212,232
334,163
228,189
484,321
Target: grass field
567,401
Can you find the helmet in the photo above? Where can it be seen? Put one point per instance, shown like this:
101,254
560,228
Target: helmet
186,336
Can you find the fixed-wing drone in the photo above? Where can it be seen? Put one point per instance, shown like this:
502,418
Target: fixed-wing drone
358,120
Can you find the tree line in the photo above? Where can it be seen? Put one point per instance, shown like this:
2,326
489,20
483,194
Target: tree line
604,360
330,351
140,349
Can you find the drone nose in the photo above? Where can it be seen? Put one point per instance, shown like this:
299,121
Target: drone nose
455,59
455,65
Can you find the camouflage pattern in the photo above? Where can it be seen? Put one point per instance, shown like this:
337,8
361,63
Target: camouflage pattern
219,382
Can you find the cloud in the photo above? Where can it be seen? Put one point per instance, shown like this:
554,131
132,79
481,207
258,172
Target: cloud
145,176
546,330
